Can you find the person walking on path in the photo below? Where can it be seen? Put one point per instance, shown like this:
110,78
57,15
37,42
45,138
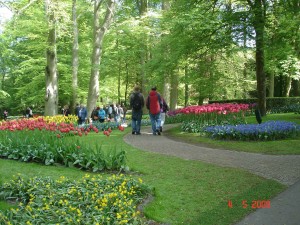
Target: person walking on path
124,113
163,111
136,104
154,105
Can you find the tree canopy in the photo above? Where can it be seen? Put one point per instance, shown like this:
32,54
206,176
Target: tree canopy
191,50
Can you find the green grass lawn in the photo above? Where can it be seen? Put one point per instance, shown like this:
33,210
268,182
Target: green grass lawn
279,147
186,192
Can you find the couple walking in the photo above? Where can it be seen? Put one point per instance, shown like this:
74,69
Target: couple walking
155,104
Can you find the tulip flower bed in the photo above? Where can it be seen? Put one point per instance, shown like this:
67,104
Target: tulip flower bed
51,143
270,130
194,118
91,200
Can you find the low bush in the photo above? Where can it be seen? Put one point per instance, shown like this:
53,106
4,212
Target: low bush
91,200
270,130
285,109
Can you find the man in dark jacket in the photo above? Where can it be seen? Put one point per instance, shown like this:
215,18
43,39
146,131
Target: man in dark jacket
154,105
136,104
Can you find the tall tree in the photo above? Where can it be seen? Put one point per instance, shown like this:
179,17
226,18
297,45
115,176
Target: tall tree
258,9
98,36
75,58
166,5
51,98
143,9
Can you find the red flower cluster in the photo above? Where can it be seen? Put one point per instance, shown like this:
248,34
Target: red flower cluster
213,108
109,130
121,128
41,124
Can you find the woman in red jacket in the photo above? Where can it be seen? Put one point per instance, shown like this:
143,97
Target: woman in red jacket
154,105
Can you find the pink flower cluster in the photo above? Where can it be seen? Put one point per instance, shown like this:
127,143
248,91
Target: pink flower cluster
41,124
224,108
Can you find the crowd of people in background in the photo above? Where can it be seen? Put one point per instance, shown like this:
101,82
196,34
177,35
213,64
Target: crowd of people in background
112,112
27,113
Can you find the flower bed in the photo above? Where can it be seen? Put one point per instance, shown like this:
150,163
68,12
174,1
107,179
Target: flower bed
39,141
41,124
194,118
60,119
212,108
270,130
91,200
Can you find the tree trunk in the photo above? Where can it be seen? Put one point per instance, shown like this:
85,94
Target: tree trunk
166,5
98,36
51,98
296,86
288,86
271,84
174,91
119,82
258,9
75,59
119,70
142,6
245,58
126,84
166,79
186,87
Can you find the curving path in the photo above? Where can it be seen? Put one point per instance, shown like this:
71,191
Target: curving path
282,168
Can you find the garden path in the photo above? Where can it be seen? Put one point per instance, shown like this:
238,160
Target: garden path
282,168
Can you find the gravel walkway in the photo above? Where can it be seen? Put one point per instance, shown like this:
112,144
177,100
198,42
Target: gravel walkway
282,168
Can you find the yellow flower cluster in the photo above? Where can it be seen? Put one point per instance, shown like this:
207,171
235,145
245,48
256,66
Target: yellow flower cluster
90,200
60,119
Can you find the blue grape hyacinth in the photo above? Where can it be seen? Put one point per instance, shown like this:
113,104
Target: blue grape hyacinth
270,130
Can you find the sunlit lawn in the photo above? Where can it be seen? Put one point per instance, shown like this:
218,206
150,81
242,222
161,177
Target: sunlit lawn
279,147
186,192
